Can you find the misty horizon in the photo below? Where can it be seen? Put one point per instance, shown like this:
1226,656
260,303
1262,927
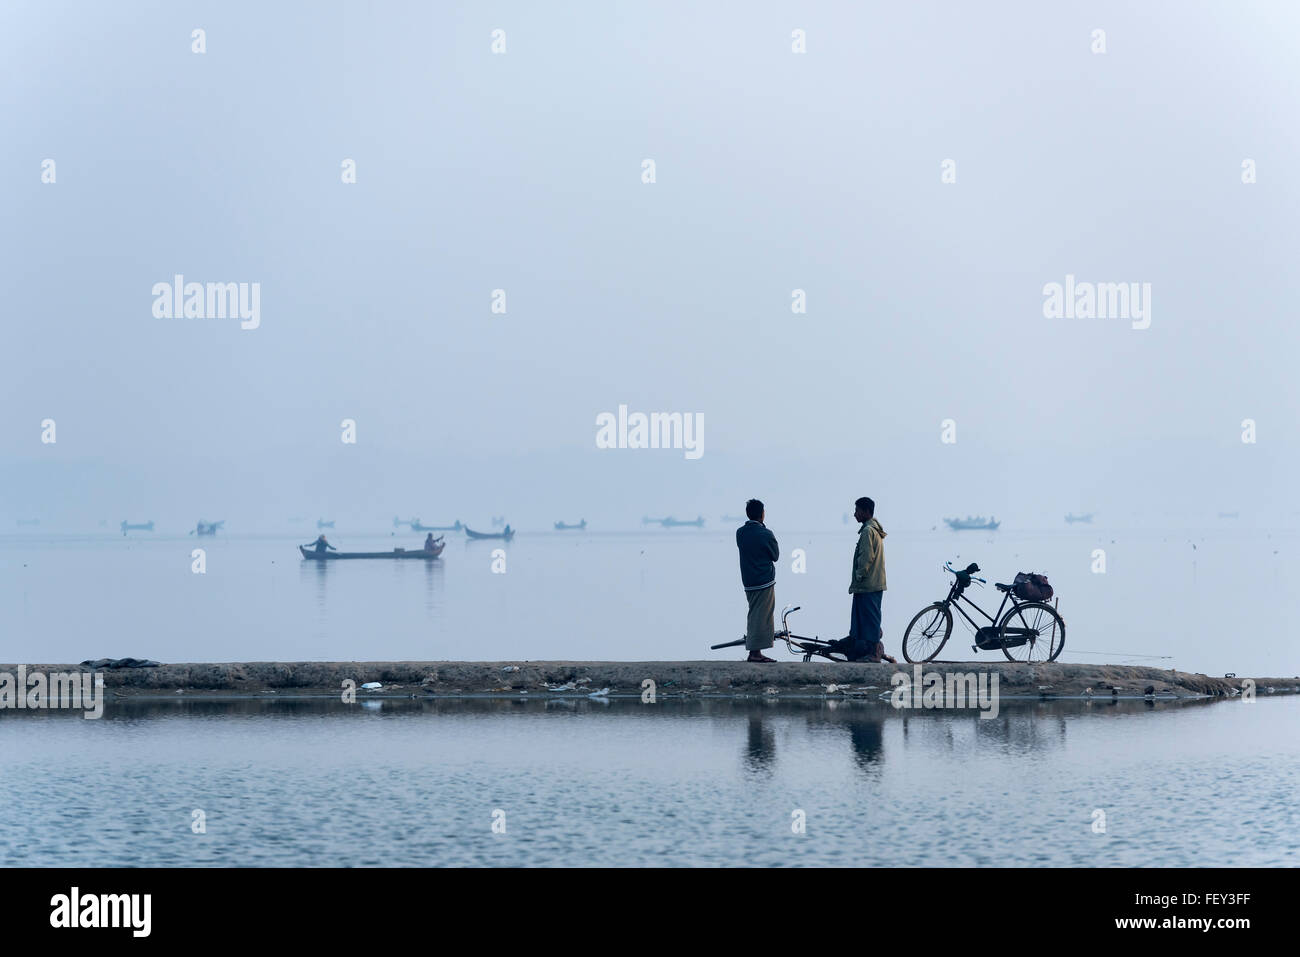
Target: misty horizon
817,178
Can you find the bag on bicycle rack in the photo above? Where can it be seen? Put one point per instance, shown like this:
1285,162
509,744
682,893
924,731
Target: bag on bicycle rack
1031,586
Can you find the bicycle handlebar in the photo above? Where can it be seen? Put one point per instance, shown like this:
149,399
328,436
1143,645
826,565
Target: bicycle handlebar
947,566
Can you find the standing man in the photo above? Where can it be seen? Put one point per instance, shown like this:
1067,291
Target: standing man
867,587
758,555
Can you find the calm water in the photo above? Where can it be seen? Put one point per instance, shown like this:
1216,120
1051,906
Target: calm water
1226,604
710,782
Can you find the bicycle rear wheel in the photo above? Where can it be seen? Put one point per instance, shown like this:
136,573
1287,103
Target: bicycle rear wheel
1032,631
927,632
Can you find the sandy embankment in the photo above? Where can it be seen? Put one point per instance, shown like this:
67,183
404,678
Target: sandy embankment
671,678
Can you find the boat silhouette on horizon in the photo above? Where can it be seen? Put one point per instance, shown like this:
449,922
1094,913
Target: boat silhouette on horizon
972,523
671,522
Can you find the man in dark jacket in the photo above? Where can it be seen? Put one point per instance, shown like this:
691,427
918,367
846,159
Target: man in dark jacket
758,555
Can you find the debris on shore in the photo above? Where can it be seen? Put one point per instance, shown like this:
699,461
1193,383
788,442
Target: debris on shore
668,679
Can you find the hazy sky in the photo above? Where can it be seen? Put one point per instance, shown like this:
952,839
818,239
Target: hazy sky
522,171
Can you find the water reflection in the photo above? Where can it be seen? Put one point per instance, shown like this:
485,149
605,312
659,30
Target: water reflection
645,779
433,575
937,727
1027,728
319,574
321,571
863,725
867,738
760,744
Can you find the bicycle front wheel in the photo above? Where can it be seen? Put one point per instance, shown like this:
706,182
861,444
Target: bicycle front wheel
1032,631
927,632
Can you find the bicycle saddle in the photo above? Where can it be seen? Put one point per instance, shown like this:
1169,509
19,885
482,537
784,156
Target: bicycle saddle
1001,587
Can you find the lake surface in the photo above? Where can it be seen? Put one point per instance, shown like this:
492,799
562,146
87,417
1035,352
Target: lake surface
704,782
1216,602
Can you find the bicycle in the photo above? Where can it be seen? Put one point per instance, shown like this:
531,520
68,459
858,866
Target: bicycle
1034,626
796,644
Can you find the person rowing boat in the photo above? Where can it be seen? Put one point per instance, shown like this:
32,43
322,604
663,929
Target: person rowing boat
321,544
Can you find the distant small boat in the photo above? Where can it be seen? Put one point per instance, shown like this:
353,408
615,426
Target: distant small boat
1072,518
645,520
416,526
506,535
321,523
671,522
972,523
28,521
427,554
145,527
565,526
208,528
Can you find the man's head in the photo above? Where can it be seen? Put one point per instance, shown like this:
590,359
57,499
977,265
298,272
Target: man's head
754,510
864,509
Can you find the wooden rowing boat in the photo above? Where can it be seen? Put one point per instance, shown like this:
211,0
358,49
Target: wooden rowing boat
508,534
425,553
671,522
977,523
416,526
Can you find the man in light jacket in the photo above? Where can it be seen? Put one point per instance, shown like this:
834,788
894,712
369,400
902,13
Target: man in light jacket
867,587
758,555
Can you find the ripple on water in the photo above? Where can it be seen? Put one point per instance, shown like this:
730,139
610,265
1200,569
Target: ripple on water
700,783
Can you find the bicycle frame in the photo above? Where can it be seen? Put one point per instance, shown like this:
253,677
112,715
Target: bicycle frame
957,594
799,645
